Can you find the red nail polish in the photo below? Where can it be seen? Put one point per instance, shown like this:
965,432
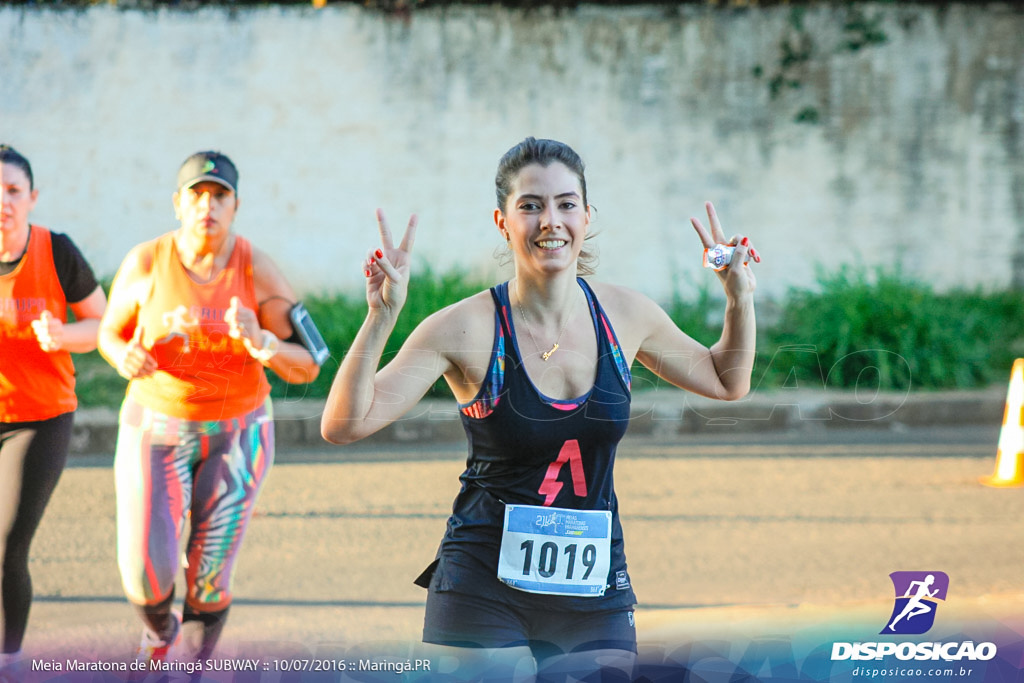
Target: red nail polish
367,273
379,253
746,241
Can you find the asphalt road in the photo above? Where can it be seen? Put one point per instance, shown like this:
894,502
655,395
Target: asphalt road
768,533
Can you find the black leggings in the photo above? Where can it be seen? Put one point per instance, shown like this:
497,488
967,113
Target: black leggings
32,456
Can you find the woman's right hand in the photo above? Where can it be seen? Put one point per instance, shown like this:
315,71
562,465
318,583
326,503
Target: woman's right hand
49,332
136,361
387,269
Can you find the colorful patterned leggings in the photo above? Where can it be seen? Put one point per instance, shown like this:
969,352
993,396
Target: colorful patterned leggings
167,470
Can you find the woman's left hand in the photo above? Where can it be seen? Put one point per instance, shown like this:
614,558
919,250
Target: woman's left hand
243,323
49,332
737,278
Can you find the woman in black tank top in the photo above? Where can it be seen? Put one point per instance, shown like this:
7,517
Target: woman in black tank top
533,560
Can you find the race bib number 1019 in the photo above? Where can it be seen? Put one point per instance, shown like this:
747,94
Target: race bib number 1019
555,550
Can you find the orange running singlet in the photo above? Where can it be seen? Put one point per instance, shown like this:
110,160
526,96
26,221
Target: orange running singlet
203,373
34,384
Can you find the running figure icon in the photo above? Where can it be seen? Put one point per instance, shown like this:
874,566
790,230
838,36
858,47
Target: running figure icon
916,605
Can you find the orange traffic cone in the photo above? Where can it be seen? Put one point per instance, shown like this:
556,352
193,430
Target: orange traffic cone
1010,453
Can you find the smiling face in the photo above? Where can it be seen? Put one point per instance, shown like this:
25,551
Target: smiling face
545,218
17,199
206,211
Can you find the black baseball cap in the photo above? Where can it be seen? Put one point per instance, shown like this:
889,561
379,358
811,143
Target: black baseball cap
211,166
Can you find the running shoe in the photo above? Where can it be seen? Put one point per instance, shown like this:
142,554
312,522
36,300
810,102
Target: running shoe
152,649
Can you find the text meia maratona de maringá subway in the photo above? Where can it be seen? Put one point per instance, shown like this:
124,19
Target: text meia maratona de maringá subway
103,666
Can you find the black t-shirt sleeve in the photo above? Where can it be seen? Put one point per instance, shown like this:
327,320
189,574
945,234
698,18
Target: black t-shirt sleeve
73,271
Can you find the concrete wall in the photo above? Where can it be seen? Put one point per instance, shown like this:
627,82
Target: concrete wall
914,154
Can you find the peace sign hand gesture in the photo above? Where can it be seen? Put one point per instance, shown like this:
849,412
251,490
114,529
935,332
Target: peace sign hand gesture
387,269
737,278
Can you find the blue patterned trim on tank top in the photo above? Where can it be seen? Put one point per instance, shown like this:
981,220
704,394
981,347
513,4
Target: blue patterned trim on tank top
490,393
613,342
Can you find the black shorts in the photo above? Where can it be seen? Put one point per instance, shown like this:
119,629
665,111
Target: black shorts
463,620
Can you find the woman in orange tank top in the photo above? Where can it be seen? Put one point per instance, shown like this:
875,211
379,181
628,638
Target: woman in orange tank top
41,275
195,318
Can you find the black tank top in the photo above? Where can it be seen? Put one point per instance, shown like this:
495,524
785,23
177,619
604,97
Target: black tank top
529,449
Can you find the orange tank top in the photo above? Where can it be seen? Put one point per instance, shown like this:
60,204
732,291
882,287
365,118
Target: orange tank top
203,373
34,384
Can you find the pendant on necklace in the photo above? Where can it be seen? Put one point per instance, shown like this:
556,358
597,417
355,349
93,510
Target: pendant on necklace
548,354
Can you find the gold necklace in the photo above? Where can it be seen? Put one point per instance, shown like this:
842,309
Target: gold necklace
543,354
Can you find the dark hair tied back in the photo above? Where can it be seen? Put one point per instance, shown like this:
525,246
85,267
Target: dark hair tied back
9,155
534,151
543,152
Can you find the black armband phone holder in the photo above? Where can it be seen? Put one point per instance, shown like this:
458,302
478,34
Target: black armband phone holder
310,337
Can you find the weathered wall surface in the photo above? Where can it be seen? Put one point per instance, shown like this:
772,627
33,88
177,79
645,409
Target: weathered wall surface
910,149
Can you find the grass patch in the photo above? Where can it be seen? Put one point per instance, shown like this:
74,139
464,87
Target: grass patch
96,382
892,332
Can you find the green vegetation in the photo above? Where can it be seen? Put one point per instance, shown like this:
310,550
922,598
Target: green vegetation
96,383
798,50
861,30
889,331
880,329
